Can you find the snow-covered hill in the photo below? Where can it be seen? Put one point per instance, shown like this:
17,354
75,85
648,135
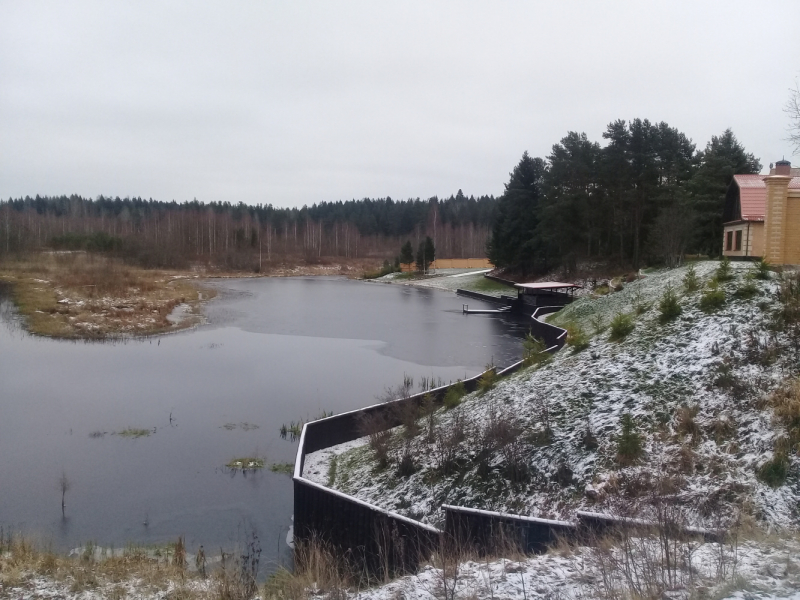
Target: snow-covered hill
546,441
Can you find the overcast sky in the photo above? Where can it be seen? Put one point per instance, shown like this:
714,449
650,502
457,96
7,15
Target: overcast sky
296,102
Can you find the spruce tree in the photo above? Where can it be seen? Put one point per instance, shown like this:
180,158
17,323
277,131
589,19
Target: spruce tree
515,241
426,253
629,442
723,158
407,253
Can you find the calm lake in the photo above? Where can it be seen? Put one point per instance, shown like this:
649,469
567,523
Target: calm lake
273,351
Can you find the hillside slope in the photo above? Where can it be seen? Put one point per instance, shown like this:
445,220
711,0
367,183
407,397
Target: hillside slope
701,392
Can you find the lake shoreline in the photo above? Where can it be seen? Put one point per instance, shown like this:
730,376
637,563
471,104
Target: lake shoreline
78,296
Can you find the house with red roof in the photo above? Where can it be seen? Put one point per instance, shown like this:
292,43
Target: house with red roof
762,216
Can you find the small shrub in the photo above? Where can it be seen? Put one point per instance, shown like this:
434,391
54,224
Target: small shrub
487,380
763,269
685,423
589,439
408,414
629,442
786,403
602,289
746,291
541,437
669,307
454,395
598,323
774,471
724,271
723,428
713,298
428,410
332,467
375,426
691,283
576,337
686,459
534,351
563,475
639,305
725,375
621,325
446,443
406,466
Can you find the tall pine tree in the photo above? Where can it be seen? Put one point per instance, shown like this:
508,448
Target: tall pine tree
571,207
515,241
723,158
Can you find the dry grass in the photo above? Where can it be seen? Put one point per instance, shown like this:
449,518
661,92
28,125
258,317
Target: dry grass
79,295
786,403
320,571
685,423
25,568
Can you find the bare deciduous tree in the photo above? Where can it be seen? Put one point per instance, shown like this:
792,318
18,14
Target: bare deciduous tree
793,110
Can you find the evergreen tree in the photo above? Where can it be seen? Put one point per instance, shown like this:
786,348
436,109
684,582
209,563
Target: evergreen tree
515,241
426,254
629,442
407,253
571,207
723,158
644,170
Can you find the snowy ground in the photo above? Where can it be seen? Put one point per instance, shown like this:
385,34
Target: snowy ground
44,587
758,571
766,570
449,280
316,466
658,370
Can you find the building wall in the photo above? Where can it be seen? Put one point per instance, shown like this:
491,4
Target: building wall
757,238
791,246
752,239
776,219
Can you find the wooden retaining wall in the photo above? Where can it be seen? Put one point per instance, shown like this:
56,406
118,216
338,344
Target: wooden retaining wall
488,532
380,541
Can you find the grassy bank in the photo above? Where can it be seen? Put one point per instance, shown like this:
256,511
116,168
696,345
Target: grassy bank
753,565
81,295
657,388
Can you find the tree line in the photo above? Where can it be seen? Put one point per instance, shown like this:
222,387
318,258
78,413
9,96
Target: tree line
647,196
240,236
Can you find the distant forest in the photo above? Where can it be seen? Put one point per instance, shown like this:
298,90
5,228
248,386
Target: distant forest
239,236
647,196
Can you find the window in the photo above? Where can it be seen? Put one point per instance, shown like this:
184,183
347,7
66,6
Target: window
729,241
738,240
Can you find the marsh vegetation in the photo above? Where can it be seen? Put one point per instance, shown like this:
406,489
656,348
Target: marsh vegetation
82,295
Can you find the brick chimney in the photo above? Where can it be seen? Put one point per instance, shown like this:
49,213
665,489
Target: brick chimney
783,167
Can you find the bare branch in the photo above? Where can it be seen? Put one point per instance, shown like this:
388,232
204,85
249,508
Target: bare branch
793,110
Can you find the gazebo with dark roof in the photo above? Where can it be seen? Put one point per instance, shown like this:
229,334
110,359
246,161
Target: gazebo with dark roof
545,293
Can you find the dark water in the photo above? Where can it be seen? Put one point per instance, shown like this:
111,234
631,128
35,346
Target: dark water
273,351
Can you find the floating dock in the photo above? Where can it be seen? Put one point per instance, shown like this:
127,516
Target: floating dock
485,311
